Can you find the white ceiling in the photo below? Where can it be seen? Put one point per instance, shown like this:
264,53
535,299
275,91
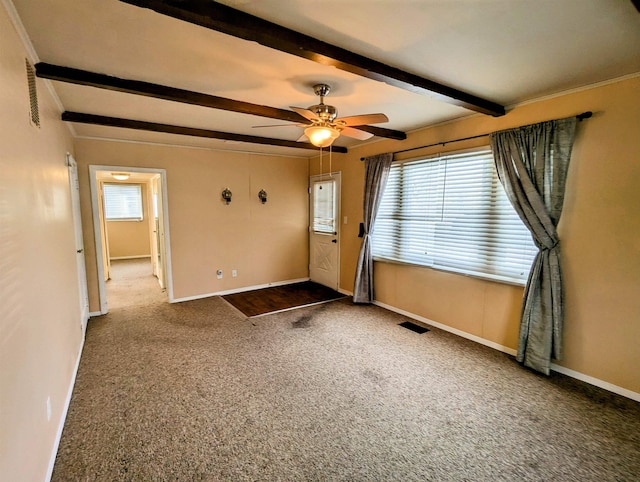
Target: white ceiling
506,51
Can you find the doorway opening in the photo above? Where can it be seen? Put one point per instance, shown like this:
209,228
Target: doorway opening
132,284
131,228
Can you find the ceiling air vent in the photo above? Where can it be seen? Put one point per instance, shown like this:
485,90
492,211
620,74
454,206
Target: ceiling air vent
34,113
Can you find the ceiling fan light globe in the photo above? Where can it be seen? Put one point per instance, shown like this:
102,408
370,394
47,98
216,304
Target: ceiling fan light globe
322,136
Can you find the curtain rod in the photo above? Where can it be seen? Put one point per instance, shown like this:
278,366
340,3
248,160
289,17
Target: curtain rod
584,115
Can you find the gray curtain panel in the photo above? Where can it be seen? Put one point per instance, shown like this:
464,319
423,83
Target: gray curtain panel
376,174
532,163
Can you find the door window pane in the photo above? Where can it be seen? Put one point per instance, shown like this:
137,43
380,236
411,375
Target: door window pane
324,215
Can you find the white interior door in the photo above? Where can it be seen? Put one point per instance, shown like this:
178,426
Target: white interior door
104,236
324,229
160,235
77,224
152,189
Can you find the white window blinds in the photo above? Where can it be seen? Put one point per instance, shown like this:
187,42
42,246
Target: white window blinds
122,201
451,212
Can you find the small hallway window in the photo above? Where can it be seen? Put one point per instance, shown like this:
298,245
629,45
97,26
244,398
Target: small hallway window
123,202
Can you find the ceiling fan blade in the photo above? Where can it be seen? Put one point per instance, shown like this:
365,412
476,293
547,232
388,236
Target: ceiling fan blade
302,138
281,125
306,113
356,133
360,120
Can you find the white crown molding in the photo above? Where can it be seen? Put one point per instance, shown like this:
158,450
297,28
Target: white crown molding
182,146
574,90
32,55
21,31
518,104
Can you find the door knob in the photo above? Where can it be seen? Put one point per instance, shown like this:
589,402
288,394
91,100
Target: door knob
79,250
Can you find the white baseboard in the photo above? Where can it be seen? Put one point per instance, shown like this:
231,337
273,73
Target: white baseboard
557,368
116,258
65,409
344,292
95,313
505,349
240,290
596,382
455,331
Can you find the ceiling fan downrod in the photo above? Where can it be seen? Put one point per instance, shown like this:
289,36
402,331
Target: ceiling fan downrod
326,113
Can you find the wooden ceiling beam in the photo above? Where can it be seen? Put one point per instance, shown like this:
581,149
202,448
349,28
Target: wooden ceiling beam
148,89
185,131
222,18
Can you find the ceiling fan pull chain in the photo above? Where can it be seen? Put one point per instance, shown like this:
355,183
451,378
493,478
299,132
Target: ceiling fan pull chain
330,168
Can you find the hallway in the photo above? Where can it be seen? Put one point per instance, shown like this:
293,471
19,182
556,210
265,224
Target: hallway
132,283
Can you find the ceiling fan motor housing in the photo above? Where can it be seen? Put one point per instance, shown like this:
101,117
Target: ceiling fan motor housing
325,112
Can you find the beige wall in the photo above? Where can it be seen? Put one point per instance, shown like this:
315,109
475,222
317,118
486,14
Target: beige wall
129,239
265,243
599,229
40,326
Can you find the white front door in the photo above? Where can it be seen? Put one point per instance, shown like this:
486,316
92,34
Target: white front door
324,229
77,224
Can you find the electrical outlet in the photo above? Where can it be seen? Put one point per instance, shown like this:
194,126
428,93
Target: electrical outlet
234,273
219,274
48,409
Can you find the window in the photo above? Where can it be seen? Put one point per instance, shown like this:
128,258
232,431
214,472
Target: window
123,202
451,212
324,211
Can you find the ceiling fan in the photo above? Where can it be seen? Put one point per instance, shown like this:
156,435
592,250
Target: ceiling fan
325,127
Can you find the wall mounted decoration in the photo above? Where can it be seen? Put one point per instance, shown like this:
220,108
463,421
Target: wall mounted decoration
226,195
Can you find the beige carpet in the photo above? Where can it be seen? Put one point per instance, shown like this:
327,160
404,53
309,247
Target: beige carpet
195,391
132,283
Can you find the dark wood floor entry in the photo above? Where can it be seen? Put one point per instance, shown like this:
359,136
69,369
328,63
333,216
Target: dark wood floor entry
279,298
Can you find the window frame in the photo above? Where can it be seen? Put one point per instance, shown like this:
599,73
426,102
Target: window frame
121,185
493,199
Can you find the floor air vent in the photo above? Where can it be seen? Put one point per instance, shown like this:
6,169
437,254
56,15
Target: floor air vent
413,327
